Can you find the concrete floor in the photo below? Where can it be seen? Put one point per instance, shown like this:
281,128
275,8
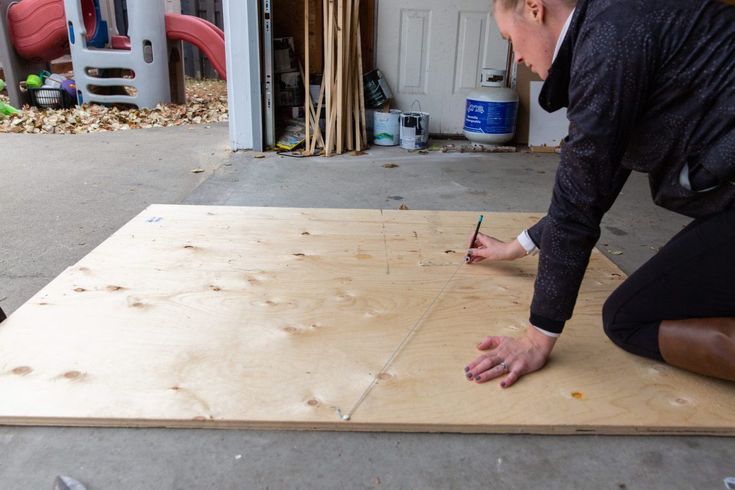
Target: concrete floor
62,196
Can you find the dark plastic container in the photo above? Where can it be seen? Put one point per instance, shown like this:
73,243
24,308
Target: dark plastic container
51,98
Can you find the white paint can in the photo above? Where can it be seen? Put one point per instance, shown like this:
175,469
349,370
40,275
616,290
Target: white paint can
414,130
386,127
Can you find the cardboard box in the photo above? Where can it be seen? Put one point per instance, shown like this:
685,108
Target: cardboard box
296,112
547,129
524,78
289,89
284,56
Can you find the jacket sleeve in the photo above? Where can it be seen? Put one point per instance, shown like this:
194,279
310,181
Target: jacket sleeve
609,79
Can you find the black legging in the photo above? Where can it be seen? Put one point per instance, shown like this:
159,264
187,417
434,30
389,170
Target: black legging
2,315
693,276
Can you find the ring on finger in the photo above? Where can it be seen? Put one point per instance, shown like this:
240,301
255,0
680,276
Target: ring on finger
504,366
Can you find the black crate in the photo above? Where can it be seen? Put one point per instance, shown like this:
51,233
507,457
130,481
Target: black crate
51,98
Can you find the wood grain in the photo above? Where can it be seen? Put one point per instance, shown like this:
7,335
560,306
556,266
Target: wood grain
195,316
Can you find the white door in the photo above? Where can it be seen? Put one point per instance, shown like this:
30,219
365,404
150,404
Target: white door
431,53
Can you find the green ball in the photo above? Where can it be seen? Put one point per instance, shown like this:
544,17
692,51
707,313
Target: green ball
34,81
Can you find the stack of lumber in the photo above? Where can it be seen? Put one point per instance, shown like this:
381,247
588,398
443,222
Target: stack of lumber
342,92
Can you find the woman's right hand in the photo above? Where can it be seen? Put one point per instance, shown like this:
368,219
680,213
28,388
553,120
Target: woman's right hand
487,247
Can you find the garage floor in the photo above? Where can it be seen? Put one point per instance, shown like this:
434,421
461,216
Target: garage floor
60,196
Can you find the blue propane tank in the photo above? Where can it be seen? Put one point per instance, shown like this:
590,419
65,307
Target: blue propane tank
491,110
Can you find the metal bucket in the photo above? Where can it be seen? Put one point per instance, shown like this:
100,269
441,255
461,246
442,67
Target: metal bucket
377,91
414,130
386,128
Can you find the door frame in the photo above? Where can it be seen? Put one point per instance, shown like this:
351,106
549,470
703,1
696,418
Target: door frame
244,61
242,46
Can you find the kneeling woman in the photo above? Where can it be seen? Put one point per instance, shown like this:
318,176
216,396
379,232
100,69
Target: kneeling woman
649,86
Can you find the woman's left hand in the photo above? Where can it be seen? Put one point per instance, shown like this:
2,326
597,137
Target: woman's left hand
514,356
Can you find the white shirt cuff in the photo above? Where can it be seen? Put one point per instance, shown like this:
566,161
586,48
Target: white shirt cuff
547,333
525,240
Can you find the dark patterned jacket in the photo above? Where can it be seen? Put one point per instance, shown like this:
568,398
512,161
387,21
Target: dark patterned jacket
649,86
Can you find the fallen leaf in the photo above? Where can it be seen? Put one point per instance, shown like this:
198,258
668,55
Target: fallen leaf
615,252
391,165
403,207
197,170
259,155
206,103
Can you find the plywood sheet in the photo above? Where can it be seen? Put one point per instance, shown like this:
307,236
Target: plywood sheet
193,316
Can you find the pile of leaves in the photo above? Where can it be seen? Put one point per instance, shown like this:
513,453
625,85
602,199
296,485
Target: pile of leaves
206,102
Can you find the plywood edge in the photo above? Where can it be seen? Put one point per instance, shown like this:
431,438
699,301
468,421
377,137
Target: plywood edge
341,426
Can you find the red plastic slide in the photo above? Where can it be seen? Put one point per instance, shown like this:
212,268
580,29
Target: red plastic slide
39,33
204,35
38,29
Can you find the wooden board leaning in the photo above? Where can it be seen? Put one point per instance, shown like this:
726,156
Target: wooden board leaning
196,316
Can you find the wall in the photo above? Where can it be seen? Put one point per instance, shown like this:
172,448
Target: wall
288,19
523,86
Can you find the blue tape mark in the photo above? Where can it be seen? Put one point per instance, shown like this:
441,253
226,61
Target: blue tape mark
154,219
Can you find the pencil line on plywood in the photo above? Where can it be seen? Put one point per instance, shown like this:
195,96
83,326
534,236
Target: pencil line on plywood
385,245
398,349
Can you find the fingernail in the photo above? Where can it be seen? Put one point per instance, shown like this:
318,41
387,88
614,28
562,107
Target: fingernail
469,375
503,385
466,369
477,378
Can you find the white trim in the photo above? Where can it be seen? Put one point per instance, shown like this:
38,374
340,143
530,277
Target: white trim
242,45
